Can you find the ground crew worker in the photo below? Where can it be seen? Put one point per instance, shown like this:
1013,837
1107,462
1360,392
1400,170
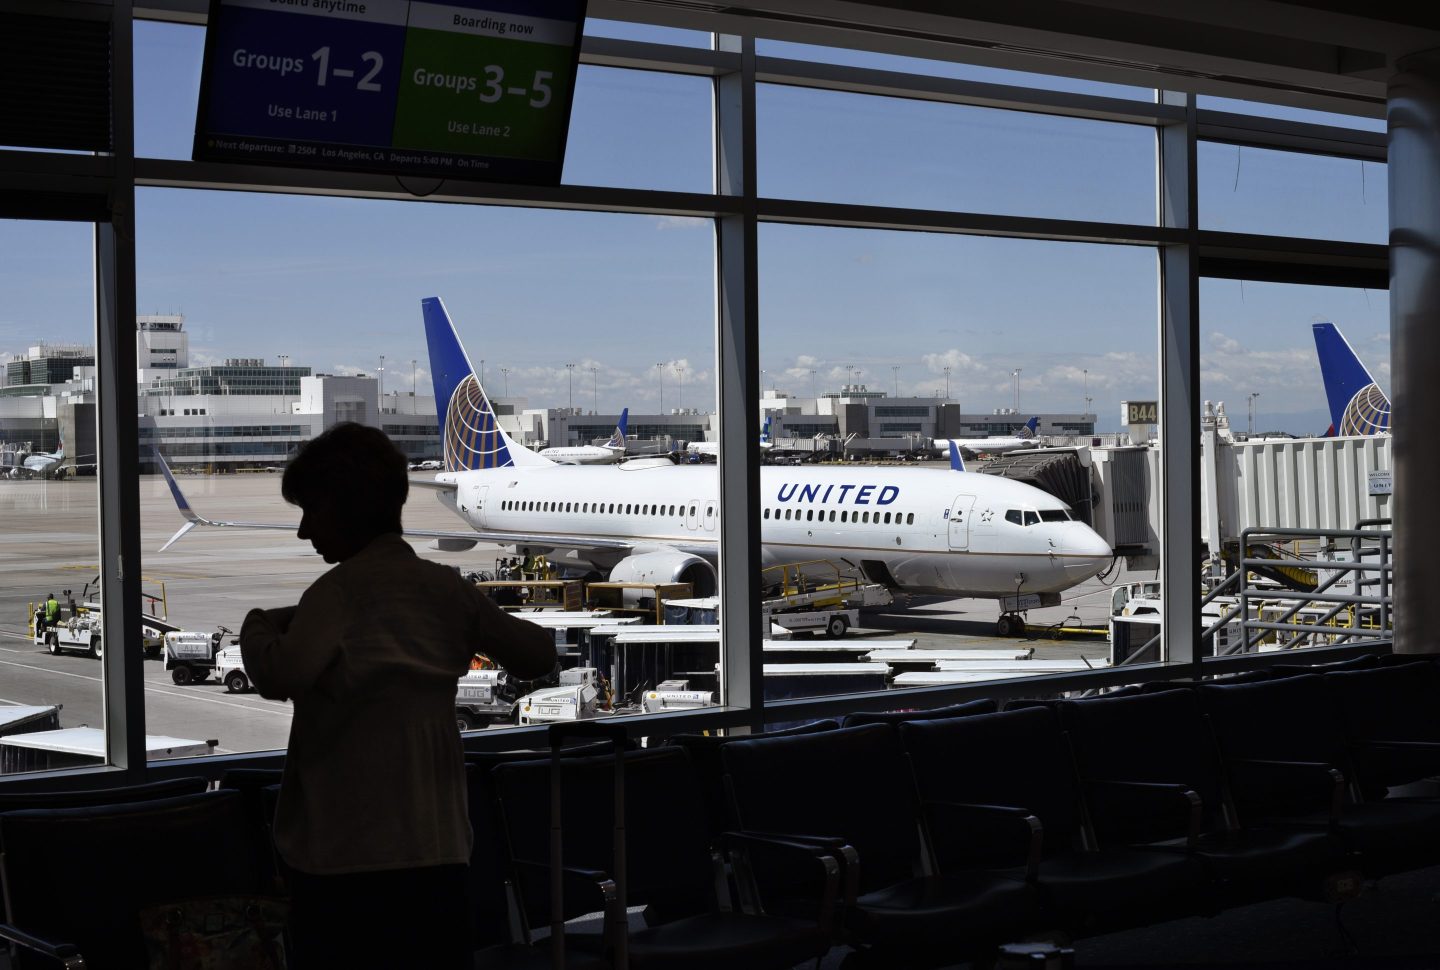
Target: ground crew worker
52,612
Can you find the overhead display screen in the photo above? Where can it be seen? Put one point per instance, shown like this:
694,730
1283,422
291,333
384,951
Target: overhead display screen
469,89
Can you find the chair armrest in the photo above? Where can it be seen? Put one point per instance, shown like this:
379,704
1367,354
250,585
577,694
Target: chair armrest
995,824
1121,795
841,851
1417,747
582,883
66,954
826,856
1283,777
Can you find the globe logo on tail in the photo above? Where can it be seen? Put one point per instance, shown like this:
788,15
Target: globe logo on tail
472,436
1367,413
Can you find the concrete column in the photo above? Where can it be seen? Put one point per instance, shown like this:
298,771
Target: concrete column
1414,175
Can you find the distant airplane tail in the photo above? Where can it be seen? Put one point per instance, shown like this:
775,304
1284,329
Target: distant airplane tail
765,431
956,462
470,432
617,440
1357,405
1029,430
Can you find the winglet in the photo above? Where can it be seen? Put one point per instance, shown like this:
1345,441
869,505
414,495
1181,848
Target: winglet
192,518
956,462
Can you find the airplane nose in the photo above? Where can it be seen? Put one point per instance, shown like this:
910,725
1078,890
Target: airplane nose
1086,551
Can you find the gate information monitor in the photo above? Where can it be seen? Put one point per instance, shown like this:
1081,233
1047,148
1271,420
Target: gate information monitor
468,89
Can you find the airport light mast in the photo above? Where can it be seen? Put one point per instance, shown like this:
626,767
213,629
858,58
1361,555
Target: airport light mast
1250,424
1016,374
570,379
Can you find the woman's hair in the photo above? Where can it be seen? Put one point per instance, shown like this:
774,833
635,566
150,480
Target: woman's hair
357,470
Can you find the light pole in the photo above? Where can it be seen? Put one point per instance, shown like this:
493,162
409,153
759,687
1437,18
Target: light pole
1016,374
505,376
1085,376
414,408
570,379
382,380
680,371
1250,427
594,391
812,384
946,369
660,376
895,369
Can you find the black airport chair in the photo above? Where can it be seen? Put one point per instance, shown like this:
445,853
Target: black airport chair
1287,763
851,790
1364,661
1391,718
704,752
1151,775
79,877
667,866
260,789
489,876
983,705
1021,760
149,791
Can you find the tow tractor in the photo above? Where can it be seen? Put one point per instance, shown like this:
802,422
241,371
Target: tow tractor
815,596
484,697
190,655
230,669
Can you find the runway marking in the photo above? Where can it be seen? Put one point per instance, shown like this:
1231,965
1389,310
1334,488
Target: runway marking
282,711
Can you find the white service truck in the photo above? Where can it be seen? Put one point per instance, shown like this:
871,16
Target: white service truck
484,697
575,699
82,632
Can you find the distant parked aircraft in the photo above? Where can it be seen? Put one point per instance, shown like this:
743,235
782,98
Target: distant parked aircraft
606,454
996,444
1357,405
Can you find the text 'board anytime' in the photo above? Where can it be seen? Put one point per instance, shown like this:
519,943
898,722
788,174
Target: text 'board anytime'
468,89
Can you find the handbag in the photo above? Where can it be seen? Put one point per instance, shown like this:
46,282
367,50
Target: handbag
216,933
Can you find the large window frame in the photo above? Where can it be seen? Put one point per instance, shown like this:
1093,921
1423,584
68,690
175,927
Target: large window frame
101,189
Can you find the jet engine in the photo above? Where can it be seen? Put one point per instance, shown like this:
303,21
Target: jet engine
667,567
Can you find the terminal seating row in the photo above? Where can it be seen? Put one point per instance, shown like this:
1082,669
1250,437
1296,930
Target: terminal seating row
914,838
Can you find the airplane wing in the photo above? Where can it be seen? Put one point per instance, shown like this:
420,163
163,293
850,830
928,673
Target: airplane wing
194,519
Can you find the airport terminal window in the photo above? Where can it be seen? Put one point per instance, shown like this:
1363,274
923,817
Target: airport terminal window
1247,189
1271,410
987,324
49,502
842,147
251,292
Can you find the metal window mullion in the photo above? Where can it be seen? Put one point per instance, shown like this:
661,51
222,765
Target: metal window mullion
117,461
738,367
1179,286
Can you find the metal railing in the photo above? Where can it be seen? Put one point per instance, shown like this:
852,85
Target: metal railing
1351,602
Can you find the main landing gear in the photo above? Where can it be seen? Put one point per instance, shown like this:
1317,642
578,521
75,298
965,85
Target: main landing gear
1010,625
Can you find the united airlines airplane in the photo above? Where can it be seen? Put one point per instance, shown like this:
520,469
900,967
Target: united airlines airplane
1357,405
608,453
915,530
997,444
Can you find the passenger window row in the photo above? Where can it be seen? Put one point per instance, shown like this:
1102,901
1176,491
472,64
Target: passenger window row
810,515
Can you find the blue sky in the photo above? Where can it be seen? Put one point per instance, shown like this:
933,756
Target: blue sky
335,283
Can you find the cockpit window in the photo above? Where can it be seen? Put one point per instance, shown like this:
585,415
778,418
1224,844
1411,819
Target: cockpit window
1032,518
1054,515
1013,515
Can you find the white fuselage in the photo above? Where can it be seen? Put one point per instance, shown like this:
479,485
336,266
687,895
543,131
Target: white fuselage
584,454
935,531
990,446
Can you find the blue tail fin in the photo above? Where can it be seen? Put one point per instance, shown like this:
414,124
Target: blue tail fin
765,431
471,435
617,440
1029,430
956,462
1357,405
